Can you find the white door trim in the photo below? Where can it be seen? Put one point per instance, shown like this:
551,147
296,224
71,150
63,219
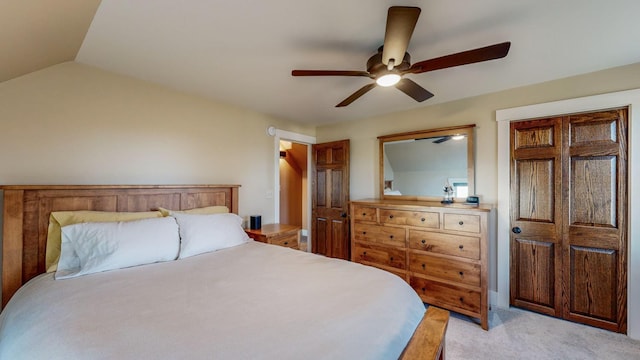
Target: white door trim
629,98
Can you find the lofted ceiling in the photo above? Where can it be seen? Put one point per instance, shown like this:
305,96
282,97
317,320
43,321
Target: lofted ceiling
242,52
36,34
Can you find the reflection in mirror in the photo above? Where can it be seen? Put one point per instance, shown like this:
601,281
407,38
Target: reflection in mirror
420,164
424,166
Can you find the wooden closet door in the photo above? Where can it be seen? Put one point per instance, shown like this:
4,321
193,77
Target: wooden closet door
595,213
536,215
569,217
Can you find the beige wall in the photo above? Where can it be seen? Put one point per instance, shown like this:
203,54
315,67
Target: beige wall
75,124
478,110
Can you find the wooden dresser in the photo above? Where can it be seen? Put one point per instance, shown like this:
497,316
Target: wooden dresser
277,234
440,250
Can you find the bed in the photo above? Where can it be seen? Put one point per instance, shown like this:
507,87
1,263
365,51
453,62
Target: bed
249,300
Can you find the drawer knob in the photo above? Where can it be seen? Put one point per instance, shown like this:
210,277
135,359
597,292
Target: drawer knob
423,289
460,222
461,299
424,266
364,214
390,216
364,253
461,273
423,219
390,236
364,233
423,241
286,243
391,258
461,247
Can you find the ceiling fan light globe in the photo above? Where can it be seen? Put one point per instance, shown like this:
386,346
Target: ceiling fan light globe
388,80
457,137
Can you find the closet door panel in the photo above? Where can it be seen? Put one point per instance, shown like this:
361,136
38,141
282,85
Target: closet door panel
593,191
535,285
593,283
536,215
595,204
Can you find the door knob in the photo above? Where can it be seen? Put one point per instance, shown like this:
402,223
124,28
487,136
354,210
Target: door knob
344,215
516,230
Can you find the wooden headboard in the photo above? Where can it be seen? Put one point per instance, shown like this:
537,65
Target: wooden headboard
26,216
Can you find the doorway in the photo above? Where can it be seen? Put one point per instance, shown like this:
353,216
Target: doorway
302,140
293,195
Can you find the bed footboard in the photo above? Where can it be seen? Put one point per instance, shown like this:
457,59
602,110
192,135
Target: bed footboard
428,339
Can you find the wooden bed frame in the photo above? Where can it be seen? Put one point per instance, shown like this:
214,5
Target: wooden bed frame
26,213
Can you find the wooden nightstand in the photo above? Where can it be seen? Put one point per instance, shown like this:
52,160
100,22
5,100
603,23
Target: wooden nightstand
277,234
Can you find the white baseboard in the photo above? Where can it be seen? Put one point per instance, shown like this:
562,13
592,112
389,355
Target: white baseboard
493,299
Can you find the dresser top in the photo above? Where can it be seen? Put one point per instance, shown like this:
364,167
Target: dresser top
273,229
420,204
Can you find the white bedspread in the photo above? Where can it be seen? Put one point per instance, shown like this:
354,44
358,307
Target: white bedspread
252,301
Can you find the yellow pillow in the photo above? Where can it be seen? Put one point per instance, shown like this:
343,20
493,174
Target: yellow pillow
58,219
201,211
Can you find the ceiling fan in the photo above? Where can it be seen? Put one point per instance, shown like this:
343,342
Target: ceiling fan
392,62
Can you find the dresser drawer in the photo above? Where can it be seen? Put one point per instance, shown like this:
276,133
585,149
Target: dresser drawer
459,222
411,218
286,240
463,272
447,296
380,234
381,255
364,213
457,245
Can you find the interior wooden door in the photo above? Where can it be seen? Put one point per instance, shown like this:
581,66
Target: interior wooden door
330,199
536,215
595,219
568,217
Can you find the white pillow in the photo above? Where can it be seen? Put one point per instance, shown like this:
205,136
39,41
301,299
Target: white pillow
205,233
94,247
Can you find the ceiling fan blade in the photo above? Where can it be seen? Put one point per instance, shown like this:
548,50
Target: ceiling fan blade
491,52
329,73
401,20
363,90
417,92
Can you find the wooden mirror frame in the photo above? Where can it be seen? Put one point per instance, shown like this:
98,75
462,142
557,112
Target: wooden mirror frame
467,130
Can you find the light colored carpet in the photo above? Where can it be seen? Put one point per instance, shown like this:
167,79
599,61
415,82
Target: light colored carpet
521,334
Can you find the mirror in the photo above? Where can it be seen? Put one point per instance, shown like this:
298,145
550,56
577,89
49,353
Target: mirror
418,165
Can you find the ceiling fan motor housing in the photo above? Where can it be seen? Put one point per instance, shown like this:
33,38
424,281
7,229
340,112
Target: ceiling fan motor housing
375,67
